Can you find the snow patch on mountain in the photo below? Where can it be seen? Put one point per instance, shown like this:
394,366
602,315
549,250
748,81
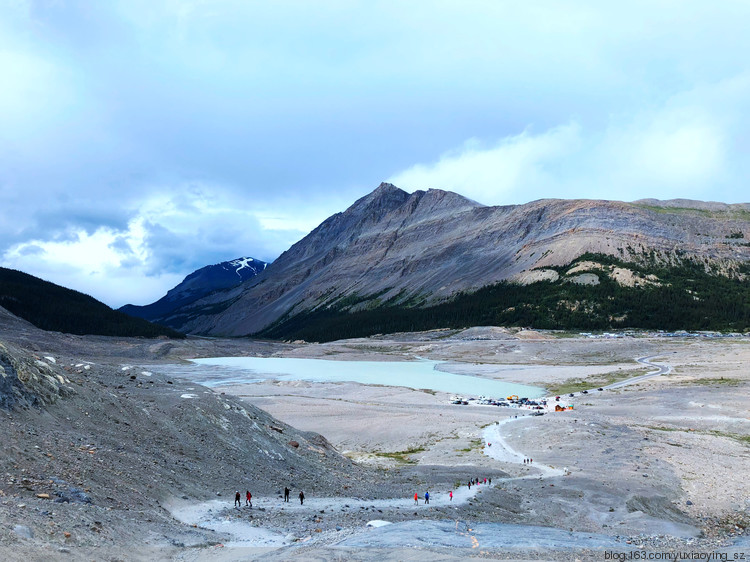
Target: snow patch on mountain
256,266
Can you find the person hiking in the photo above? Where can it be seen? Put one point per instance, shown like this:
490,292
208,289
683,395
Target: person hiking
427,497
416,498
286,494
301,498
451,494
248,498
237,501
490,481
469,484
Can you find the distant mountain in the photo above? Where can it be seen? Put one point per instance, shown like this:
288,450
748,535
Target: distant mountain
195,286
55,308
398,261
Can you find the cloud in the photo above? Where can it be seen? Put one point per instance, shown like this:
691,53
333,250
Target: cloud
688,147
514,164
169,235
142,139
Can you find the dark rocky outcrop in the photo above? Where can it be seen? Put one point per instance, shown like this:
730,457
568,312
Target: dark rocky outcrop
25,381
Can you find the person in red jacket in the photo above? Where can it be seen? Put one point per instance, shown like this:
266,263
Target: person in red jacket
451,494
248,498
416,498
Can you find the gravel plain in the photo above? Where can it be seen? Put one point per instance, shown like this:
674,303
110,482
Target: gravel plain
132,451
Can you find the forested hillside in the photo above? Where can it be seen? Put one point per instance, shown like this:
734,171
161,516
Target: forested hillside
674,297
52,307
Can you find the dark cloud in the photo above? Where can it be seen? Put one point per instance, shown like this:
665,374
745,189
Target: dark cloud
32,250
197,121
122,246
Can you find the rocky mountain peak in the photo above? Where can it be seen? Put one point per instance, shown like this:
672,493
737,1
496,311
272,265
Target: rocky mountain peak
385,198
198,284
386,187
429,246
436,200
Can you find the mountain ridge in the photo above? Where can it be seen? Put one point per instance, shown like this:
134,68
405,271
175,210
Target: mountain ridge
424,248
196,285
52,307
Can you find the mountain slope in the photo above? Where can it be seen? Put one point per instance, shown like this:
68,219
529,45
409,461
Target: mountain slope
52,307
398,250
198,284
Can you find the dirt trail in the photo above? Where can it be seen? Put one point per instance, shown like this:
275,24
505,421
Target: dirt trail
501,451
217,514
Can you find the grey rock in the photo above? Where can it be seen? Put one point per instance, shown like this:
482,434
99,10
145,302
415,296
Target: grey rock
23,531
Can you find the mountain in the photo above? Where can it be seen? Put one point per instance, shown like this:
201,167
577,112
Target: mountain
400,261
198,284
55,308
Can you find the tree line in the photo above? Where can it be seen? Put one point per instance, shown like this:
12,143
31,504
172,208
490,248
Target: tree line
54,308
687,297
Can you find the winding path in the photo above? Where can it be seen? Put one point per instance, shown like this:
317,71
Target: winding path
505,453
660,370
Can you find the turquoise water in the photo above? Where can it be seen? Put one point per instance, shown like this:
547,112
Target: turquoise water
215,371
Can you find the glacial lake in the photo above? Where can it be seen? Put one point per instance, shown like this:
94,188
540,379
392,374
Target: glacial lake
422,374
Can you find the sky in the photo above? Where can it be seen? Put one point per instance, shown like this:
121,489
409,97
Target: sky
143,139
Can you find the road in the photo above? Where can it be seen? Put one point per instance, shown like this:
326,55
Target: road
660,370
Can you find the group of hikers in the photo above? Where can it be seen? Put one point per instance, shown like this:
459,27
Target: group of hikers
249,497
471,482
478,481
426,498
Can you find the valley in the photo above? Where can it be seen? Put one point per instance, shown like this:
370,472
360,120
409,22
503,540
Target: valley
660,464
391,281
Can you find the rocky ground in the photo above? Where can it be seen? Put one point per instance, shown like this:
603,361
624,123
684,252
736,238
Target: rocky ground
119,459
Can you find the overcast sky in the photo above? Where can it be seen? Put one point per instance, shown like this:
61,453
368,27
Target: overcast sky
143,139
